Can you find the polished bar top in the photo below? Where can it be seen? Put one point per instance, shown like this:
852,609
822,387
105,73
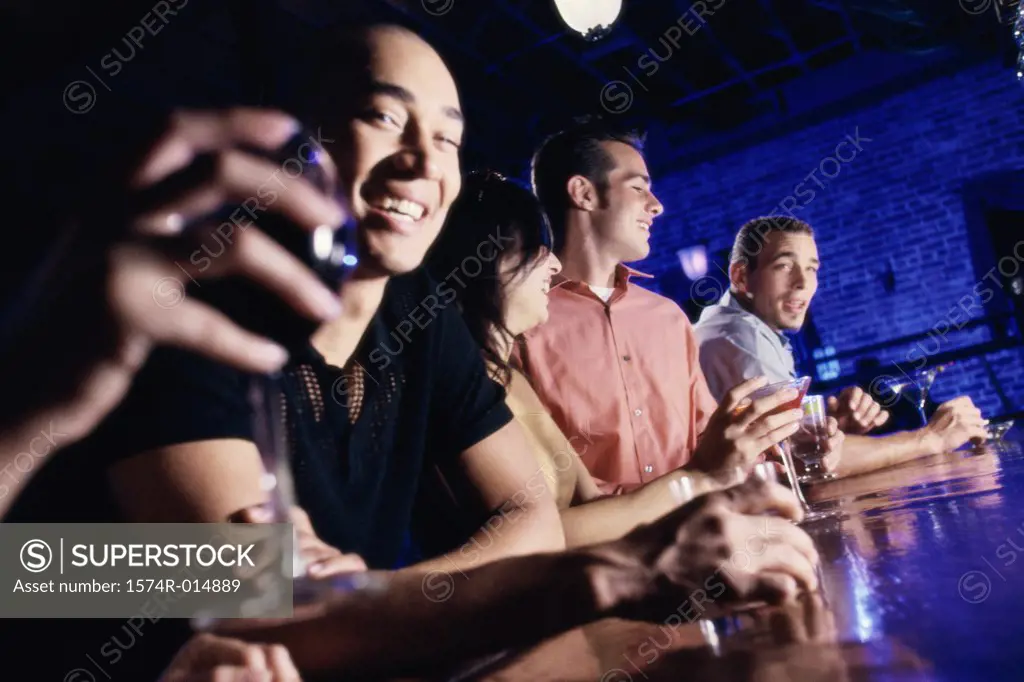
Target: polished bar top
923,580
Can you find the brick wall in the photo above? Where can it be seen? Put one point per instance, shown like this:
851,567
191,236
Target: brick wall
881,182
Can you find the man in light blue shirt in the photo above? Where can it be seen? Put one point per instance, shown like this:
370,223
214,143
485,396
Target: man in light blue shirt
773,275
735,345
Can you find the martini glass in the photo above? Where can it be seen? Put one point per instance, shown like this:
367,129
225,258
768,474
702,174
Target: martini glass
916,386
997,430
801,385
766,471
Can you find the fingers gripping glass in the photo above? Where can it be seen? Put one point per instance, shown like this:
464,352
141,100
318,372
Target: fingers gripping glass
783,450
684,489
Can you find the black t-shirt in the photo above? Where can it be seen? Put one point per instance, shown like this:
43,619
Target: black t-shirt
366,443
415,395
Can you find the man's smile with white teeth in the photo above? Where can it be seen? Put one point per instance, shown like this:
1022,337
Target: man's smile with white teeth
405,208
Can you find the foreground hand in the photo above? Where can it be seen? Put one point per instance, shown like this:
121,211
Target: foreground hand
740,430
856,411
721,548
953,424
208,658
322,560
806,620
116,284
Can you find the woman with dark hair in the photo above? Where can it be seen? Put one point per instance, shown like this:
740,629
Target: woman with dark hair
503,227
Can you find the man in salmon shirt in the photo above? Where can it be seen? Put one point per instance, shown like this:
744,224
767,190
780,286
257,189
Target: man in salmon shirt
615,363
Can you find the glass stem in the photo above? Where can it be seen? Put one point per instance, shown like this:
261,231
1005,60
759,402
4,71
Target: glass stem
266,400
787,460
921,405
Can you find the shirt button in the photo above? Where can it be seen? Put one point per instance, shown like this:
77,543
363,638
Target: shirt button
648,469
638,412
626,358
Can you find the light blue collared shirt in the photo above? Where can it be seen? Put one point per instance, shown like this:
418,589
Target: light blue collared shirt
735,345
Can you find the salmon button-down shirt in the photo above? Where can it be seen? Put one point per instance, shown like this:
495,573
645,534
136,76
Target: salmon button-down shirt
622,379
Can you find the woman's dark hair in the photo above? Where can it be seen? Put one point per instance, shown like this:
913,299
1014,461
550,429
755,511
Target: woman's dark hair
493,220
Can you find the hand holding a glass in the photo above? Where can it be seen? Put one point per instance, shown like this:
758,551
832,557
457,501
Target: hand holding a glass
209,658
729,547
319,559
751,419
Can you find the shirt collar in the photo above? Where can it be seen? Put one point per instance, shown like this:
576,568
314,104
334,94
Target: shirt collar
729,301
623,273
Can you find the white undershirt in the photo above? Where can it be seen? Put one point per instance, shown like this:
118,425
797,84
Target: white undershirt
603,293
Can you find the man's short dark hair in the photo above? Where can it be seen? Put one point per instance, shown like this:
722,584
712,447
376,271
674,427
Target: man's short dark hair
576,150
751,238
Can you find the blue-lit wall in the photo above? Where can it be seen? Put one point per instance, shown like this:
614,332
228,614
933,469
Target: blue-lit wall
896,193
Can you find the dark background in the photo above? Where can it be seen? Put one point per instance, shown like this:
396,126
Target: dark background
742,106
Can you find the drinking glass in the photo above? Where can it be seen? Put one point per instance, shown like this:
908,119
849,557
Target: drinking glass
811,514
809,444
782,450
683,490
766,471
330,253
801,384
916,387
997,430
266,398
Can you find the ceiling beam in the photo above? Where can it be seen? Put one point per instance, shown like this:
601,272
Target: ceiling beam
525,21
736,66
674,75
730,59
497,65
792,61
609,45
839,7
782,33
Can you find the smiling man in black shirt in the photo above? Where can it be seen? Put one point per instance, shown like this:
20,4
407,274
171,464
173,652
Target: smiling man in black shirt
363,432
388,396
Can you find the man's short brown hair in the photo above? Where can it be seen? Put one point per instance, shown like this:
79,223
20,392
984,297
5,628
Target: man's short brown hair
751,238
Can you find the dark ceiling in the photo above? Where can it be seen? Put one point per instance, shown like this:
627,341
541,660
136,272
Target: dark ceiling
696,71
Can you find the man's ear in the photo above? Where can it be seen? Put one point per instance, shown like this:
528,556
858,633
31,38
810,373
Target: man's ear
582,193
738,278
